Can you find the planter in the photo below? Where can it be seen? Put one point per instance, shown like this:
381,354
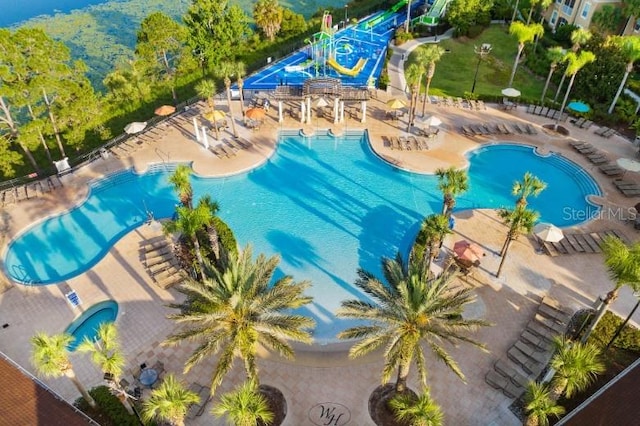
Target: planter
379,409
277,404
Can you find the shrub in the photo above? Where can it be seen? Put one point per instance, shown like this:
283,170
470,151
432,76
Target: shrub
475,31
629,338
109,409
225,235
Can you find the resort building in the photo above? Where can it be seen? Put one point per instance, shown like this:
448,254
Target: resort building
581,12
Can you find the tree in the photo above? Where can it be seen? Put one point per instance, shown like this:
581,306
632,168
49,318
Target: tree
529,186
575,63
206,89
431,55
420,411
539,405
406,313
520,221
555,55
631,9
268,16
413,74
463,14
226,69
292,25
169,402
237,309
607,19
128,85
181,181
10,134
579,37
525,34
451,182
434,228
576,366
535,4
631,49
623,264
50,358
245,406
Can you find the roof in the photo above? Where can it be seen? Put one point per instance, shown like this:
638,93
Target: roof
26,401
617,403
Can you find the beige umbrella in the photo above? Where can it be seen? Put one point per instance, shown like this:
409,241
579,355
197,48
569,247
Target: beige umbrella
396,103
165,110
255,114
548,232
135,127
511,92
214,115
629,164
321,102
429,121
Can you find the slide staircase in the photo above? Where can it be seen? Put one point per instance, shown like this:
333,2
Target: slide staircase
432,17
352,72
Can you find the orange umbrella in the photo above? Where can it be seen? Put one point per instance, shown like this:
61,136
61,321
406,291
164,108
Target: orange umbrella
255,113
469,251
165,110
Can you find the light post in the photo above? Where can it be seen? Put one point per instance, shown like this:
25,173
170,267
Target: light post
481,51
346,7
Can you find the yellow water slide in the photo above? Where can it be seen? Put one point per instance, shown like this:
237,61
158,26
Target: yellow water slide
352,72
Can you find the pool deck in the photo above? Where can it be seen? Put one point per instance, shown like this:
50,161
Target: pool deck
324,374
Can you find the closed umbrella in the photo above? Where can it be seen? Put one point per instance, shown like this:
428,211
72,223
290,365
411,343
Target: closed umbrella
548,232
396,103
165,110
510,92
255,114
135,127
468,251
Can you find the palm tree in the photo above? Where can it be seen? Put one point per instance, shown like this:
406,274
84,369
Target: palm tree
539,405
420,411
434,228
406,313
50,358
631,51
579,37
241,71
576,63
169,402
237,309
525,34
555,55
530,186
543,4
245,406
451,182
431,55
206,89
576,366
226,69
520,221
623,263
212,231
180,179
413,74
106,353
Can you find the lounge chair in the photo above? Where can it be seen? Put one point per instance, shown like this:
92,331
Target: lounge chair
586,124
580,144
465,130
503,129
586,150
544,111
219,152
530,129
630,192
517,128
597,158
579,122
612,171
243,142
619,183
531,108
538,110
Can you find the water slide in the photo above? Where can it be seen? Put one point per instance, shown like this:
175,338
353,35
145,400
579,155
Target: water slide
352,72
432,17
385,15
300,67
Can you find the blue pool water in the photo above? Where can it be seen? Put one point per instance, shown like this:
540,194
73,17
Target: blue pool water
326,205
87,324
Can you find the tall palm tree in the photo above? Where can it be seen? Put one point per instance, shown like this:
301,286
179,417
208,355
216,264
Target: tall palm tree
432,54
525,34
575,63
623,263
50,358
105,352
529,186
579,37
420,411
245,406
631,51
555,55
451,182
227,69
236,310
413,74
212,231
544,5
534,4
206,89
241,71
169,402
406,313
576,366
434,228
539,405
180,179
520,221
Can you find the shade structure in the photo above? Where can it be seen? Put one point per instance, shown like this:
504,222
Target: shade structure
511,92
255,113
548,232
467,250
135,127
165,110
578,106
629,164
396,103
429,121
214,115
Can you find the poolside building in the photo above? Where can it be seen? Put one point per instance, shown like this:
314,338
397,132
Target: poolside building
581,13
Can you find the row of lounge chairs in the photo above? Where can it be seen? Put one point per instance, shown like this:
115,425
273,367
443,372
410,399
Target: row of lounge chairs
228,148
605,132
406,143
486,129
531,353
162,264
591,153
582,122
459,102
627,188
577,242
30,190
551,113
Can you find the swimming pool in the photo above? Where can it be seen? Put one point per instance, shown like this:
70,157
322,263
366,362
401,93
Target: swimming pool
87,324
327,205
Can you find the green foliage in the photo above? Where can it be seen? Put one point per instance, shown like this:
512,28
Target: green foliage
402,36
109,406
626,110
563,34
268,16
607,19
225,235
629,338
293,24
463,14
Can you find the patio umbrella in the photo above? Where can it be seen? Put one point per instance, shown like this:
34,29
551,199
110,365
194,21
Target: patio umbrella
468,251
165,110
629,164
578,106
429,121
135,127
510,92
214,115
548,232
396,103
255,113
321,102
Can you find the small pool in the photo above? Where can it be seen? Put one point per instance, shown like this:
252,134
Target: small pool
87,324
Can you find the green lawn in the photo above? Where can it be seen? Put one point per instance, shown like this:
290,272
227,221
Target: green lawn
454,72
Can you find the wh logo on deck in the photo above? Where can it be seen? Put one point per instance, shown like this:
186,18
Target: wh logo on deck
329,414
